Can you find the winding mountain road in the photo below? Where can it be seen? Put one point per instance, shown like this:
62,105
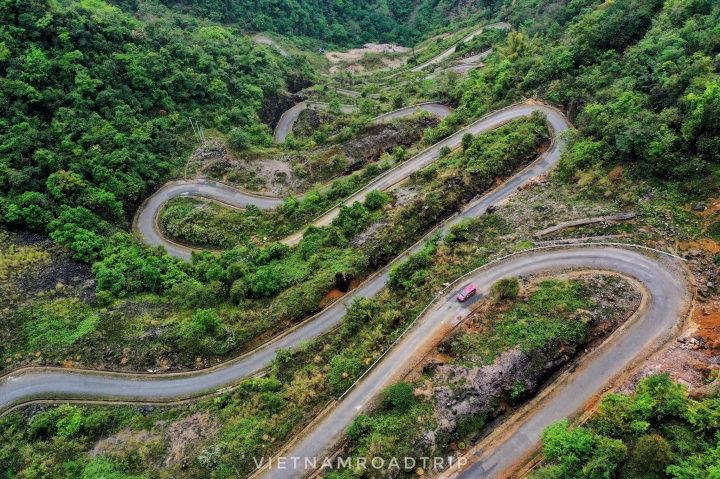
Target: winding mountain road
451,50
668,301
32,382
666,289
287,119
263,40
146,219
147,216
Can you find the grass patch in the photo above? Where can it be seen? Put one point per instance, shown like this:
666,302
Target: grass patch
548,316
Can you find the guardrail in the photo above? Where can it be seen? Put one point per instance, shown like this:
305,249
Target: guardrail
442,292
381,176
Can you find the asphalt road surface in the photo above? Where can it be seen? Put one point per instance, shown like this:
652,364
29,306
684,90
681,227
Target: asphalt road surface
269,41
451,50
287,120
27,384
667,292
146,218
668,300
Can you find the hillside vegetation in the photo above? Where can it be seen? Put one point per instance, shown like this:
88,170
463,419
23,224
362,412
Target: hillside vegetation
656,432
95,106
341,22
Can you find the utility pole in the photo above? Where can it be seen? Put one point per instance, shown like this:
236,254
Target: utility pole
198,131
193,127
202,134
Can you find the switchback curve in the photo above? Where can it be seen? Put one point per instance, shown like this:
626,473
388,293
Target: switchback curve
146,219
33,382
667,304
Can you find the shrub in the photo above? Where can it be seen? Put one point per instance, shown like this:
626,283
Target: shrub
445,151
506,288
376,200
361,426
398,397
651,455
467,141
238,139
401,276
104,299
206,321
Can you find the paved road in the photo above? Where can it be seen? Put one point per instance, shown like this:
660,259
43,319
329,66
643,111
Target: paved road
146,218
461,68
668,301
451,50
145,222
23,385
287,120
473,60
269,41
665,287
356,94
465,65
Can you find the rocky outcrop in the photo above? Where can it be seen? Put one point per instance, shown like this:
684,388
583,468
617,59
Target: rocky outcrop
309,121
378,139
274,106
471,391
342,282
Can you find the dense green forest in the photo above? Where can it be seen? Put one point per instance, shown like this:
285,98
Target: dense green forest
657,432
96,101
340,22
95,106
639,78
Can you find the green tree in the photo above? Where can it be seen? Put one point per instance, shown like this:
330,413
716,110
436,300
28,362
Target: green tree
376,199
239,139
504,289
467,140
398,397
650,457
405,275
206,321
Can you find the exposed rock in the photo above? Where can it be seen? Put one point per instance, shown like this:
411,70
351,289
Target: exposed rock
31,411
377,139
473,389
145,410
310,120
368,234
274,106
700,207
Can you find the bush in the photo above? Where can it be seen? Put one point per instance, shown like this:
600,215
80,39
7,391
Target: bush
104,299
467,141
445,151
506,288
398,397
650,457
376,200
238,139
206,321
402,275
